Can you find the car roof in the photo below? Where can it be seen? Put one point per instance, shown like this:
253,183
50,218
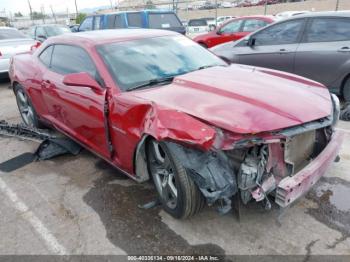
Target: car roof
322,14
98,37
141,11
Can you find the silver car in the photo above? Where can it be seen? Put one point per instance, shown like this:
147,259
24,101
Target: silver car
12,42
315,45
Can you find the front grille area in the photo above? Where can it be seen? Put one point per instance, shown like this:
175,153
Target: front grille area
299,149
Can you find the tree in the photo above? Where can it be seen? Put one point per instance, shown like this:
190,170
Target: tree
150,5
37,15
18,14
80,18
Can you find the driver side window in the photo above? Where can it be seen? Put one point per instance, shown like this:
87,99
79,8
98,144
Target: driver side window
232,27
67,59
283,33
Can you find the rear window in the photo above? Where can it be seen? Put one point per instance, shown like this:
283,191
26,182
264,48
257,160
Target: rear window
10,34
197,22
159,21
134,20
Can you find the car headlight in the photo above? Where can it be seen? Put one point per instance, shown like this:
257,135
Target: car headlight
336,109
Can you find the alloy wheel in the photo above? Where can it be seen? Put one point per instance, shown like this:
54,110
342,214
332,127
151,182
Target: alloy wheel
163,172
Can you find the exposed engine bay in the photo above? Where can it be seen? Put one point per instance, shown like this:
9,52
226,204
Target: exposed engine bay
277,167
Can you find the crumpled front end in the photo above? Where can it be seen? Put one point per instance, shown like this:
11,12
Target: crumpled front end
281,165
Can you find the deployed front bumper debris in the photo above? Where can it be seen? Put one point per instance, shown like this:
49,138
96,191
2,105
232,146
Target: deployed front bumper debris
51,145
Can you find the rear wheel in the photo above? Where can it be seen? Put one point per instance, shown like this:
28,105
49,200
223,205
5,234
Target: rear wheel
26,109
203,45
346,90
177,192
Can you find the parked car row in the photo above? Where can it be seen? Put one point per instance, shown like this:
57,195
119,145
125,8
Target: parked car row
314,45
233,30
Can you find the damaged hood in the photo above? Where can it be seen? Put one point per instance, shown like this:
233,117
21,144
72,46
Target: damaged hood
244,99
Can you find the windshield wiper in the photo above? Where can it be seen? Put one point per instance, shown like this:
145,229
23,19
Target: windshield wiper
152,82
207,66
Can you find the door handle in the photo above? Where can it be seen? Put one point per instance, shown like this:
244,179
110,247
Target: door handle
282,51
344,49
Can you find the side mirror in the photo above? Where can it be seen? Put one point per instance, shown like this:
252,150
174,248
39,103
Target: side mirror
41,38
251,41
82,79
219,32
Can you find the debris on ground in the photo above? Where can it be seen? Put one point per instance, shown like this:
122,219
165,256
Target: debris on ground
51,145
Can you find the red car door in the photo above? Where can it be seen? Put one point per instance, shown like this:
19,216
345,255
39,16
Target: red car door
230,31
78,111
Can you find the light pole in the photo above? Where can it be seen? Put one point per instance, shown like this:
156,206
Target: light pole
76,9
337,5
265,7
216,13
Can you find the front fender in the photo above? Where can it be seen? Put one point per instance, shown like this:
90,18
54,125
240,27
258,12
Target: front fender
165,124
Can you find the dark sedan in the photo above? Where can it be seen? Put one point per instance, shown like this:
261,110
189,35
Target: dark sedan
42,32
315,45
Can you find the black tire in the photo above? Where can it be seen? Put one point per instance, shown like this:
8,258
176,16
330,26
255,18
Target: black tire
203,45
189,200
346,90
32,118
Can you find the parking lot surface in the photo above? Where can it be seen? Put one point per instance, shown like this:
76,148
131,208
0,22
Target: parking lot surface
80,205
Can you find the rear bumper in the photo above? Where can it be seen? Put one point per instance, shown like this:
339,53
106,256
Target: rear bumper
291,188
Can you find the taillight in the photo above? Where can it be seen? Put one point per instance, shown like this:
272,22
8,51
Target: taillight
35,46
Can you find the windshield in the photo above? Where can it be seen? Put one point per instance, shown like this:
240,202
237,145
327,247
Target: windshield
11,34
56,30
161,21
197,22
133,63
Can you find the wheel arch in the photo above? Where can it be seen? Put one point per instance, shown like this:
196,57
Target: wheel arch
342,86
140,159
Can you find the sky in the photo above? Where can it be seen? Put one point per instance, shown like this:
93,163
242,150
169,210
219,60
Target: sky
58,5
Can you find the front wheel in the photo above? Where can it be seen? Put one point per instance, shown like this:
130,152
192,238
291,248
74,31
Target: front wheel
179,195
346,90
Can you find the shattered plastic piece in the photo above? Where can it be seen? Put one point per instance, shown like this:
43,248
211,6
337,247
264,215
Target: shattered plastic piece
17,162
50,148
150,205
210,171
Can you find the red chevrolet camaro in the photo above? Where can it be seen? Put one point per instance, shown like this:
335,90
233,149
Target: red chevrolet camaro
158,106
233,30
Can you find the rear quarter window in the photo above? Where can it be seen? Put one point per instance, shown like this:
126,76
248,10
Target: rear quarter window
45,56
328,30
161,21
